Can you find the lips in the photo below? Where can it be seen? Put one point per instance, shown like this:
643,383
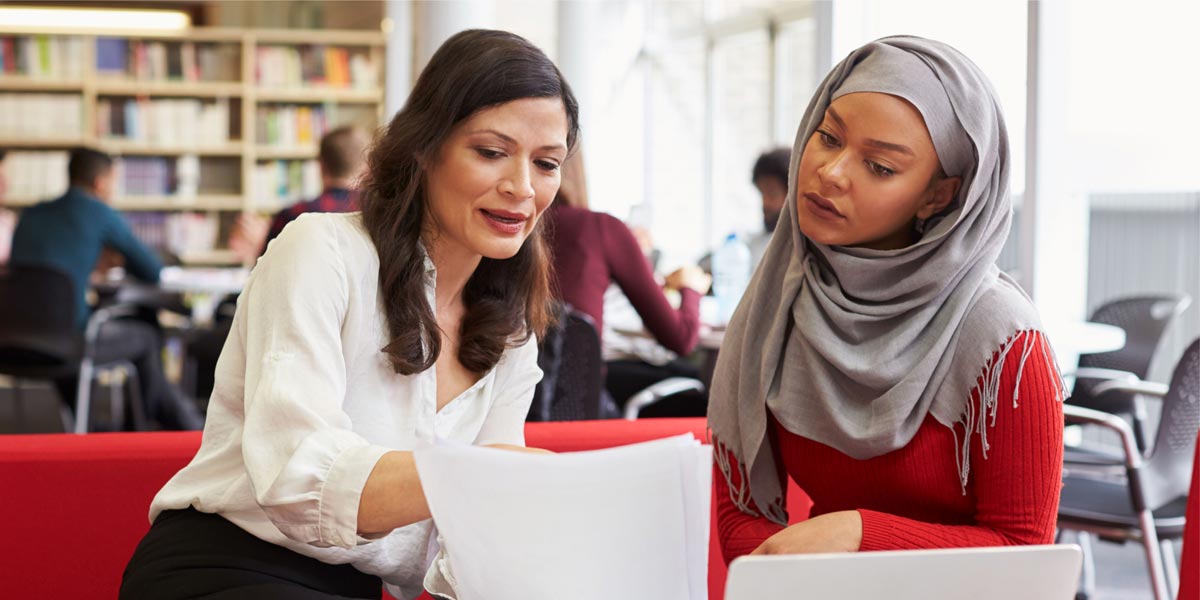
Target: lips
823,207
504,221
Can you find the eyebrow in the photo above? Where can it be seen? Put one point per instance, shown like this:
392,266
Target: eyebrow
510,140
882,145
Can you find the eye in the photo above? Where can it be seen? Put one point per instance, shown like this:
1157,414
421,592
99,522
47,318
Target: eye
827,138
546,165
489,153
879,169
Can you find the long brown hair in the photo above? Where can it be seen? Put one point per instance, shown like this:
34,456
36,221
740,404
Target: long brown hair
506,300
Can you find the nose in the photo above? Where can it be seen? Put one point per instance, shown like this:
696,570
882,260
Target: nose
519,183
833,174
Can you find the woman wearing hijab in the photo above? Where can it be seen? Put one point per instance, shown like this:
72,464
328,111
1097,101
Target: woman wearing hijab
879,358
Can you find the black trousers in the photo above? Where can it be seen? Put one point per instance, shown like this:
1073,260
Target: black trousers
190,554
140,343
628,377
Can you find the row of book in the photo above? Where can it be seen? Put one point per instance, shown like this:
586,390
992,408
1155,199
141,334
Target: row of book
156,176
42,56
178,233
290,125
168,61
173,122
44,116
43,175
291,67
283,182
36,174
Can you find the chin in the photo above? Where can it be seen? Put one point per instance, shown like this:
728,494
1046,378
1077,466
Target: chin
502,249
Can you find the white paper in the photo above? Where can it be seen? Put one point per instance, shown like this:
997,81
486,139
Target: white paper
627,522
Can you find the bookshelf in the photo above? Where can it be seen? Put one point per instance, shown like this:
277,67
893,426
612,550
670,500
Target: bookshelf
205,124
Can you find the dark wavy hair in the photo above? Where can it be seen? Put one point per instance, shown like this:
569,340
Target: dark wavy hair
506,300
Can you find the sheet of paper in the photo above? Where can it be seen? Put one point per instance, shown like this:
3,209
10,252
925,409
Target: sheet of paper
628,522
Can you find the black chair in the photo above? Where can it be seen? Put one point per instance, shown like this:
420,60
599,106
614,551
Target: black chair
1148,503
572,371
1144,319
38,340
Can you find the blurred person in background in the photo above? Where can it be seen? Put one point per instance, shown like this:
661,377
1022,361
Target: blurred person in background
769,176
592,251
70,234
342,160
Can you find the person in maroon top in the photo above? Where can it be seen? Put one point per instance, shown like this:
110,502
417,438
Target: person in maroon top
879,358
592,250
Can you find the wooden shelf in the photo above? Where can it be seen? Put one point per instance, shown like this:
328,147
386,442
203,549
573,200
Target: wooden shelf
23,83
40,143
176,203
23,201
288,37
235,161
262,152
122,87
318,94
142,149
212,257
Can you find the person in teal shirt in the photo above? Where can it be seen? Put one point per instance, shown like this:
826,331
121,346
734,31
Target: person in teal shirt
69,233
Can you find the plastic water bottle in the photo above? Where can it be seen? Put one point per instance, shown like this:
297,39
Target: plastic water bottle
731,273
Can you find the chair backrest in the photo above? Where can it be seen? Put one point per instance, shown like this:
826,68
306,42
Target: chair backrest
573,370
1169,467
1144,319
37,317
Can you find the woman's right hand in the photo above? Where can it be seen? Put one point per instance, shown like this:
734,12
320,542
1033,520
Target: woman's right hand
690,277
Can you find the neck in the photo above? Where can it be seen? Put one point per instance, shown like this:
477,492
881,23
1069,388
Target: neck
454,265
87,190
331,182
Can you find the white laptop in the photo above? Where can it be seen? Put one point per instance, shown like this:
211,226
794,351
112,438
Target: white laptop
1018,572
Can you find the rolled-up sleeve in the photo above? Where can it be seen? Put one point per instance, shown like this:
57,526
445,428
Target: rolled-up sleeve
517,377
306,465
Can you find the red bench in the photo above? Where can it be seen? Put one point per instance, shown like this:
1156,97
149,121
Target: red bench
75,506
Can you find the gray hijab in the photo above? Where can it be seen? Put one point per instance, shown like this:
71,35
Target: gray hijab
853,347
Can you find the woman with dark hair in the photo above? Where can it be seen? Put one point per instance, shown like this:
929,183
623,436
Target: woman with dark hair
879,358
360,335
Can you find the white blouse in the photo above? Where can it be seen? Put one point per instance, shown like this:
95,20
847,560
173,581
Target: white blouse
306,403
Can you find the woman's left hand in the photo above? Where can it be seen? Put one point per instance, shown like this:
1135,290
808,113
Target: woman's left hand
833,532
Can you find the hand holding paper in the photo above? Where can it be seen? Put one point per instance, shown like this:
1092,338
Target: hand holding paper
626,522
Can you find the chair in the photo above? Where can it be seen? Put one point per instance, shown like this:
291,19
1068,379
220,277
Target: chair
1189,579
572,370
38,340
1144,319
1148,503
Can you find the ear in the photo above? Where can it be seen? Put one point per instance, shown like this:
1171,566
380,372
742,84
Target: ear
939,196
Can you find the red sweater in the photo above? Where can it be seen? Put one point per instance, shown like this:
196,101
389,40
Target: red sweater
911,498
592,250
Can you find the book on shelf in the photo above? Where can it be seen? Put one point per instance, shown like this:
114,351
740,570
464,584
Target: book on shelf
167,60
280,183
42,56
41,116
287,125
143,176
174,122
40,175
180,233
315,66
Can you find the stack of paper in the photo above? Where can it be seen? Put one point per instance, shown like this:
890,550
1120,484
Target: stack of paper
628,522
